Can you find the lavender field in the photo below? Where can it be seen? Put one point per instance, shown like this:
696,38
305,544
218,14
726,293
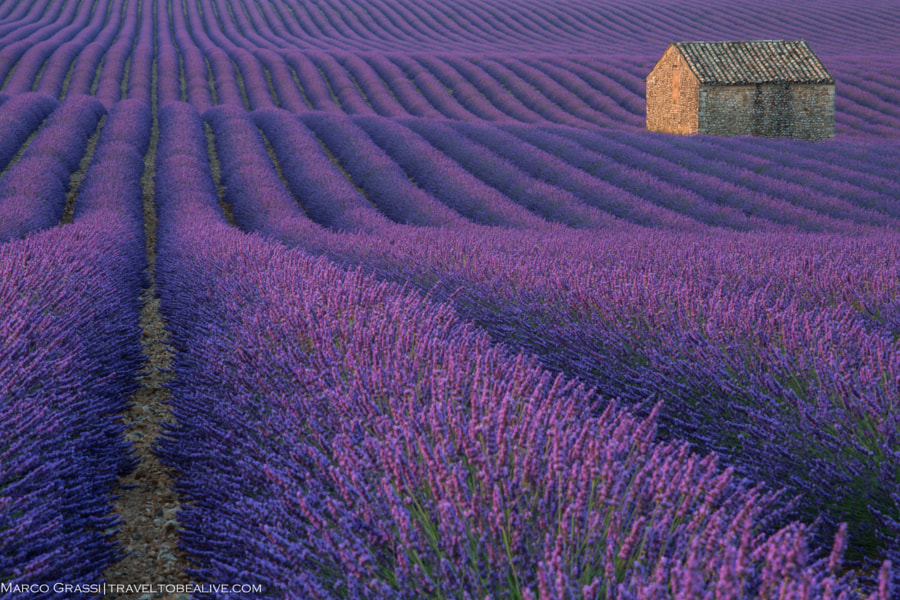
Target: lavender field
401,300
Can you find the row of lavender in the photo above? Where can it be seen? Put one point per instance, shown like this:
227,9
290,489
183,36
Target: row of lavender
209,52
777,349
507,26
339,436
34,189
447,174
60,60
589,180
69,351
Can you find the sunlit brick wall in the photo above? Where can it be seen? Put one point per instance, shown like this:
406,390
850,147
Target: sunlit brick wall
672,95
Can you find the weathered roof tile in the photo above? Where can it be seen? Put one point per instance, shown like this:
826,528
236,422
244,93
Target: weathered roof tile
766,61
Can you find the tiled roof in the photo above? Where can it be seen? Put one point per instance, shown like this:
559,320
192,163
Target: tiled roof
768,61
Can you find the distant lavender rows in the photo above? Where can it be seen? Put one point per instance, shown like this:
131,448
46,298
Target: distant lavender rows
314,58
447,174
339,436
504,26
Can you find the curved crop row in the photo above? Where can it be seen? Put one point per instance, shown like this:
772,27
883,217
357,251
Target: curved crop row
824,197
445,179
550,202
85,72
33,191
53,77
383,181
138,80
381,97
18,41
684,184
439,96
252,186
463,91
585,179
401,87
326,194
35,56
18,16
109,84
342,86
20,116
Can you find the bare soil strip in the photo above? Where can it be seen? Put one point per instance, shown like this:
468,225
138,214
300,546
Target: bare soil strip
216,168
78,176
147,504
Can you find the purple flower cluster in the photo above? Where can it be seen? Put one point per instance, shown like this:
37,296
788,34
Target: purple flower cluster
69,347
795,383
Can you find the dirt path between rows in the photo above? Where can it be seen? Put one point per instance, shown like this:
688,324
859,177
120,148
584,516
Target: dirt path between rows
147,504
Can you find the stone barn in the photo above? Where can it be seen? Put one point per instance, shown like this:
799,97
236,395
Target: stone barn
765,88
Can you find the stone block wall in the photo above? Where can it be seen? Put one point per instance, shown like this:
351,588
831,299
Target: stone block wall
813,107
804,111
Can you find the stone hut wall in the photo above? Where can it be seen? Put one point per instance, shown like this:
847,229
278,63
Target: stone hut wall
673,93
813,107
803,111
